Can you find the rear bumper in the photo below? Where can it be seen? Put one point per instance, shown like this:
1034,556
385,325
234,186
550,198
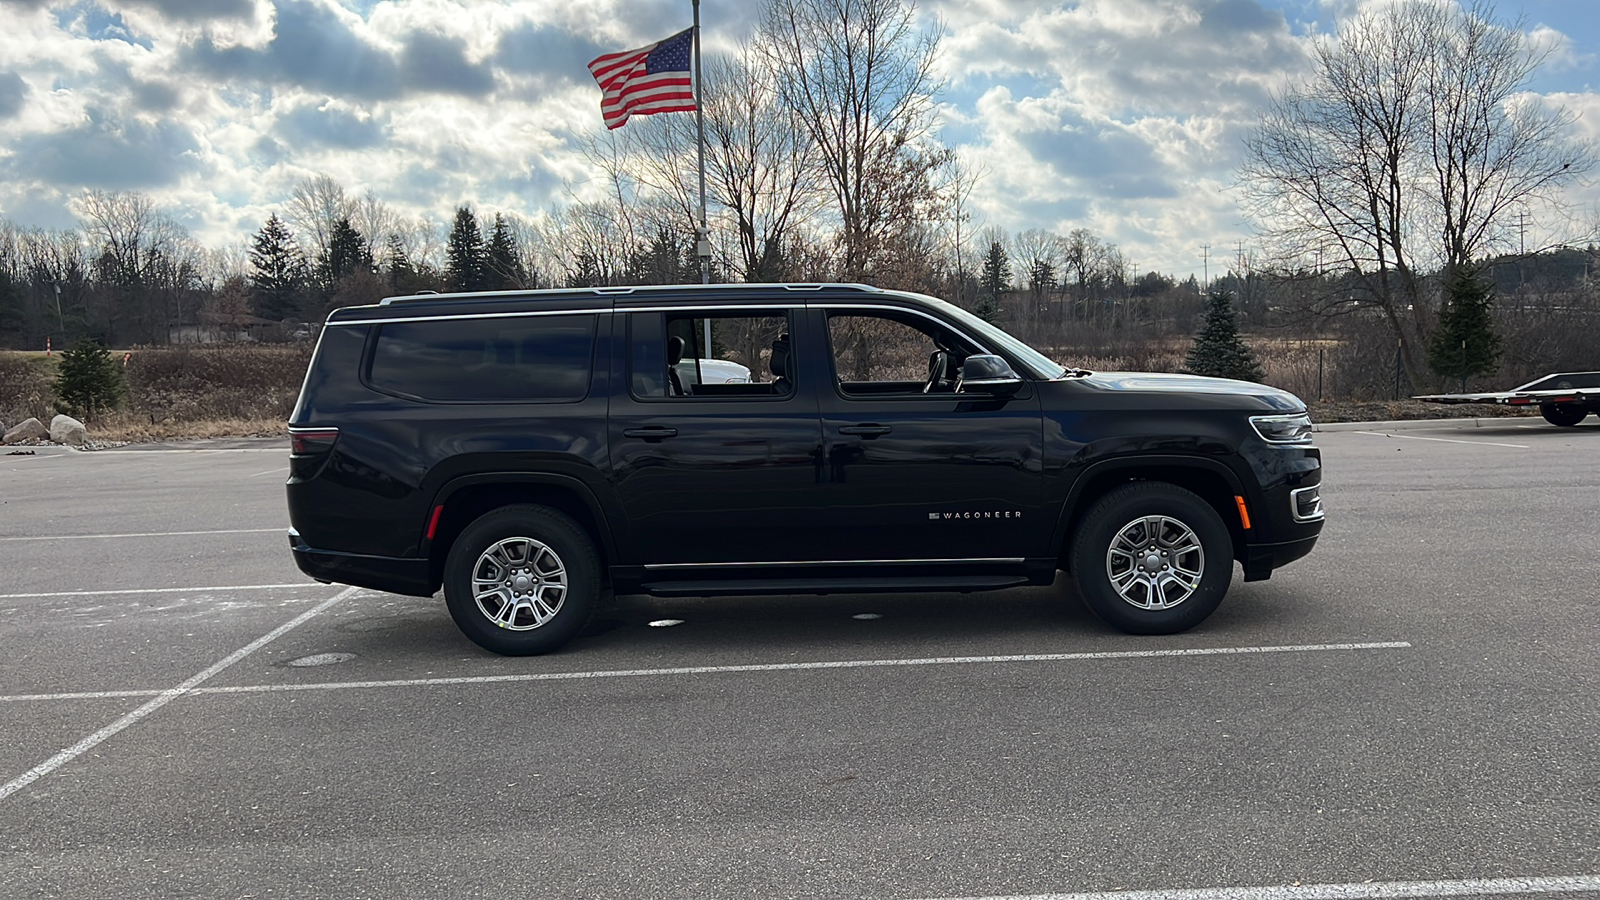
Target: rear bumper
380,573
1261,559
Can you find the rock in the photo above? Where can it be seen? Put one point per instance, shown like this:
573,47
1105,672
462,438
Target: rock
67,430
27,430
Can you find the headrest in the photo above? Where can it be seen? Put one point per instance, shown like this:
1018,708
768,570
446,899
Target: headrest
675,347
779,362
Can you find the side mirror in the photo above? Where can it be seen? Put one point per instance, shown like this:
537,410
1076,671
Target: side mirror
982,373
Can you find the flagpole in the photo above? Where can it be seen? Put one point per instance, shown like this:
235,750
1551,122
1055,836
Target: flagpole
702,242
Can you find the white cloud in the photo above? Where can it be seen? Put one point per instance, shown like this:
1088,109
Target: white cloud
1121,116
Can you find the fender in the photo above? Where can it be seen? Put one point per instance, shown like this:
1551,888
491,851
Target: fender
578,486
1095,469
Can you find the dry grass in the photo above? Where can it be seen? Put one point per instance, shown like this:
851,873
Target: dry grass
173,393
125,426
203,386
26,387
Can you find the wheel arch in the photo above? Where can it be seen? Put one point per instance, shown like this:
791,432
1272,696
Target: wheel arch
464,500
1209,479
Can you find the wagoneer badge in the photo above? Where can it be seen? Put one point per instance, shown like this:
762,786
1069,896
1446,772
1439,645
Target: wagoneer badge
1005,514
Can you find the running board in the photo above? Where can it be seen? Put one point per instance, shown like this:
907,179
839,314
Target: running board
782,586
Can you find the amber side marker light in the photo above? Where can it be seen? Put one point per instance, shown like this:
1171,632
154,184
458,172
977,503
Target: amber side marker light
1244,514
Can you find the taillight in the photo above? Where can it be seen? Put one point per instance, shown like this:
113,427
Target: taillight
312,441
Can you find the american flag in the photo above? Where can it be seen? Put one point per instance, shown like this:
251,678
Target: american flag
647,80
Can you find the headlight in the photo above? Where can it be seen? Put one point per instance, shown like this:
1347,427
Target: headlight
1295,429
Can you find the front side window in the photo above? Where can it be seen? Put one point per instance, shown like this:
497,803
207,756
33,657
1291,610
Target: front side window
879,353
504,359
749,355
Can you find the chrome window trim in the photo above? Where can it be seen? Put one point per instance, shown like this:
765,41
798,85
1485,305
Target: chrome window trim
829,562
518,314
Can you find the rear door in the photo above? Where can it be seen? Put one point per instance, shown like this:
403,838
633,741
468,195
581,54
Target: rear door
713,472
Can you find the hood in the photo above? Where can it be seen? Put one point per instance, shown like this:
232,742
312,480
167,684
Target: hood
1192,385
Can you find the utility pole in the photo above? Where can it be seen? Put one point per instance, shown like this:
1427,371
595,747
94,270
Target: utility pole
1205,257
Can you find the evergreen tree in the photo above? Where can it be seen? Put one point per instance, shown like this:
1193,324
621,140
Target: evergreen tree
1218,350
278,271
992,282
348,254
1465,344
88,381
503,264
585,272
662,262
467,257
401,273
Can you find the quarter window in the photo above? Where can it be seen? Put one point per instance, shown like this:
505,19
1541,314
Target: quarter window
500,359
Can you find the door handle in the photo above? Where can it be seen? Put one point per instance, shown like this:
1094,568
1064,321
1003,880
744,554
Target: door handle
651,433
866,431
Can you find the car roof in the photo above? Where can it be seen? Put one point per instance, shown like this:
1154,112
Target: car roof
491,303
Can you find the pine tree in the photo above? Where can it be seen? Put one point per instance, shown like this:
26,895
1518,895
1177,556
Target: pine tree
992,282
88,381
348,254
585,271
401,273
503,265
1465,344
1218,350
467,257
662,262
279,271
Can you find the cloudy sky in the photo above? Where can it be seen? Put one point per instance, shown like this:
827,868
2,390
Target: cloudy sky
1121,116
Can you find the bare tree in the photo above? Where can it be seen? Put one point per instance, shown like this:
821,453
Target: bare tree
317,204
1405,153
376,221
860,75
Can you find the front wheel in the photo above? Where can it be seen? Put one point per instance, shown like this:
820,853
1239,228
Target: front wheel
1564,414
522,580
1152,558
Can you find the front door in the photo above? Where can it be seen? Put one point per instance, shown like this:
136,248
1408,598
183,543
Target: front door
915,471
714,450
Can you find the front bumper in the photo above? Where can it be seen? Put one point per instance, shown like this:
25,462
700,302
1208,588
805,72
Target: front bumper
1261,559
380,573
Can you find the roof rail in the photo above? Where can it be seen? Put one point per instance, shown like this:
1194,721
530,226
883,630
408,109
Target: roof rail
623,290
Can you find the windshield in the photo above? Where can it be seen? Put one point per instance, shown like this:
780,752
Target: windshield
1041,366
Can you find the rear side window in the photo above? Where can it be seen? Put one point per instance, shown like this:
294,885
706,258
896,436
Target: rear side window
504,359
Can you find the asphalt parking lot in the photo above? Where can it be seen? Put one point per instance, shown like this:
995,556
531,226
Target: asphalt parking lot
1411,711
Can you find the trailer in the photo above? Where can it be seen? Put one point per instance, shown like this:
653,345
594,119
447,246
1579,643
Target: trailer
1563,398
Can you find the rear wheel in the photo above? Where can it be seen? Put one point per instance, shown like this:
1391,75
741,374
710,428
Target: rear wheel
1152,558
1563,414
522,580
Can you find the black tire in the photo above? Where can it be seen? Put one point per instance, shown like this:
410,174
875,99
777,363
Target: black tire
1167,594
1564,414
538,611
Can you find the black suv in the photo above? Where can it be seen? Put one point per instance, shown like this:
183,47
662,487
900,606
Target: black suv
534,451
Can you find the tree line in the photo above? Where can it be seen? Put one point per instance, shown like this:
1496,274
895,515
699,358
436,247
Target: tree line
1386,189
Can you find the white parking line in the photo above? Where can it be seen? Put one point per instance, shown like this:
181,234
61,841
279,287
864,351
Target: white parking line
269,472
165,697
1383,890
178,590
1408,437
720,670
140,534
